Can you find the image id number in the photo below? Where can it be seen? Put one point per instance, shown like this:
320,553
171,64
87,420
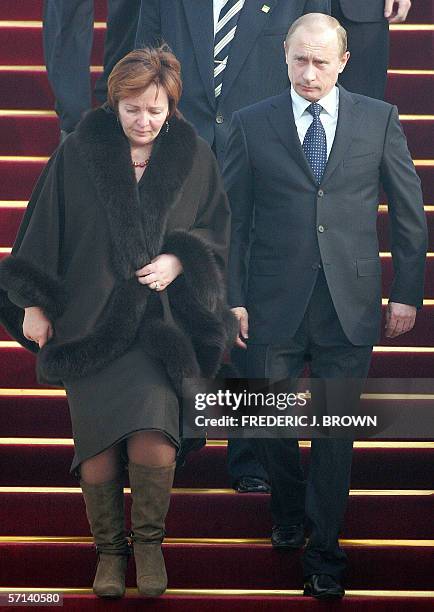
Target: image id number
31,599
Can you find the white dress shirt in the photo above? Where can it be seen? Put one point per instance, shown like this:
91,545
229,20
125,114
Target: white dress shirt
328,116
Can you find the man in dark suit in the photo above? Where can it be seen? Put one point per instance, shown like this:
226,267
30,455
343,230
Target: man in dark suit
367,26
68,35
231,56
302,172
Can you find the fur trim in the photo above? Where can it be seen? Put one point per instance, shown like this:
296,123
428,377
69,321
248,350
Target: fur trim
200,269
111,338
194,342
33,285
106,153
211,332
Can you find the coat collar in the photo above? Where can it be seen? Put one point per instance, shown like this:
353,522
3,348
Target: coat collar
349,117
137,227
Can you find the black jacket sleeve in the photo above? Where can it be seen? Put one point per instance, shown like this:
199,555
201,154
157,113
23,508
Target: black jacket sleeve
238,179
408,227
30,275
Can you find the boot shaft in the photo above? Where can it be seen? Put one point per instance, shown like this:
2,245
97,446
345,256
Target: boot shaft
151,488
105,512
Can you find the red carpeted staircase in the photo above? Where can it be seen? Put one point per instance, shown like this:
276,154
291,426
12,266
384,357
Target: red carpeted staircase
217,548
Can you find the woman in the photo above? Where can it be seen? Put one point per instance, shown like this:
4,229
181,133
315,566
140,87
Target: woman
118,269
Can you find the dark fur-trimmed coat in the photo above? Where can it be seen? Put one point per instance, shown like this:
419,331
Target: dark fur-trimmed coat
86,231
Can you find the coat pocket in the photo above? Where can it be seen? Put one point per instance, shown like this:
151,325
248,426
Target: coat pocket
362,160
368,267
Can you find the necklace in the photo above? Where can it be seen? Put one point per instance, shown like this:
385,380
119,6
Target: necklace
141,164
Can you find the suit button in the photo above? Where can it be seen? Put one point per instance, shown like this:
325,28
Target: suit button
321,228
316,266
320,193
219,118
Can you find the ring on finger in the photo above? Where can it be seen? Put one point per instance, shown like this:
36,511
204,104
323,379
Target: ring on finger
157,285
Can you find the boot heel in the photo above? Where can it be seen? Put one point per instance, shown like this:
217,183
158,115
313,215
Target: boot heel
150,569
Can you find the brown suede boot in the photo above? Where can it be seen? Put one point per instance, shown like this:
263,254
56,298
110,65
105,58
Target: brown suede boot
106,516
150,490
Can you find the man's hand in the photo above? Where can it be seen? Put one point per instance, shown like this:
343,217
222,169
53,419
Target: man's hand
400,319
36,326
399,15
160,272
242,315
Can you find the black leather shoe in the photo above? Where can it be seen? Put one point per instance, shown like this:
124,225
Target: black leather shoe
287,537
252,484
323,586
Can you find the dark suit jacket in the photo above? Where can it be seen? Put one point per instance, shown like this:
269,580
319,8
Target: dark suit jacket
284,224
256,68
363,10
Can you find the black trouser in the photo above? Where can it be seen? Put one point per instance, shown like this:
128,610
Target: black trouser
68,37
321,502
368,43
241,457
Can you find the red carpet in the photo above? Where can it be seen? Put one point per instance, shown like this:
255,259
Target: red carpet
23,46
216,513
24,464
388,531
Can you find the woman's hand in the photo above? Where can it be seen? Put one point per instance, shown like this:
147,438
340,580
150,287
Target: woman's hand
36,326
160,272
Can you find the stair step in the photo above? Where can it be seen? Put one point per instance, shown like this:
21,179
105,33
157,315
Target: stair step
407,89
37,134
219,513
29,169
21,44
18,364
420,12
193,565
32,463
222,600
422,334
18,369
10,219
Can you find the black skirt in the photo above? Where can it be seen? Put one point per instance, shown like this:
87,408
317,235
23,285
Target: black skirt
132,394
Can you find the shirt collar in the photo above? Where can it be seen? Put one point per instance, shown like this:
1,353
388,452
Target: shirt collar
329,103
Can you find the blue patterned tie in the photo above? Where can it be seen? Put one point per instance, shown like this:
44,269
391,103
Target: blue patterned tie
315,142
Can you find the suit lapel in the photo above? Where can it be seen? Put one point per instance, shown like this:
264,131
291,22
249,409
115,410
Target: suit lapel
251,22
200,20
281,118
349,117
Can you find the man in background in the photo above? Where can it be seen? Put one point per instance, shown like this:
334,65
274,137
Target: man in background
231,54
367,25
68,36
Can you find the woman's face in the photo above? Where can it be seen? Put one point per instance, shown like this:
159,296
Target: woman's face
143,116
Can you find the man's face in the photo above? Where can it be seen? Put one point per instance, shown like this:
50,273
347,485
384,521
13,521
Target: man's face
314,62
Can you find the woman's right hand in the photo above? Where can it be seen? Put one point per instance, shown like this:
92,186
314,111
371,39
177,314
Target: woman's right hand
36,326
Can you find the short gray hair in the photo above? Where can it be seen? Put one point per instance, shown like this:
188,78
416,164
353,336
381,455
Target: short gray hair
312,19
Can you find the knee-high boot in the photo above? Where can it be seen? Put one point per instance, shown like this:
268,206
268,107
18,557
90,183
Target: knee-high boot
150,490
106,516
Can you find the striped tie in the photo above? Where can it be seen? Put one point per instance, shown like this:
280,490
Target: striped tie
225,32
